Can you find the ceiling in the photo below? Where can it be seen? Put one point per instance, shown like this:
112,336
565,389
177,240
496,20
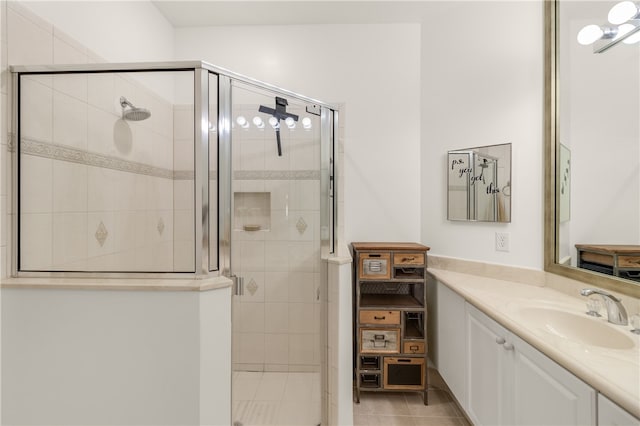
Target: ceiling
197,13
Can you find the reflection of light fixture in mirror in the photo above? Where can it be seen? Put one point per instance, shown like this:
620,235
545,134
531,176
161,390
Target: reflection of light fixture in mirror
625,17
592,33
633,38
290,122
274,122
306,123
257,121
623,12
212,127
242,122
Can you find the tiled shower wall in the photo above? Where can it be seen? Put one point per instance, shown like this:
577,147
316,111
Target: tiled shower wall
278,317
101,190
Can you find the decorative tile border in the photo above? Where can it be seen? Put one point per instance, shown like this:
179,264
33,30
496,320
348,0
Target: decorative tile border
79,156
277,175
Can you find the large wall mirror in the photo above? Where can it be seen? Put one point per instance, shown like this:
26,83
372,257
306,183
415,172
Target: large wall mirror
592,212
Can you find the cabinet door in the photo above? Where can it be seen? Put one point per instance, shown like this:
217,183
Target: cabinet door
544,393
451,340
609,414
488,367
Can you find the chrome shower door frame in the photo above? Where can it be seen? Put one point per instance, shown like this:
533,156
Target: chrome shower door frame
202,241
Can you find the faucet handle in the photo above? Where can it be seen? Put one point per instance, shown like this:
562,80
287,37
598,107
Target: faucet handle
616,313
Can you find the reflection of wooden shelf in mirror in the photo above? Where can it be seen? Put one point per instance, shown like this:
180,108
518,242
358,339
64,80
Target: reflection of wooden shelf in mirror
251,227
611,259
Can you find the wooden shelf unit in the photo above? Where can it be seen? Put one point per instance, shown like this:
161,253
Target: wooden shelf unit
390,317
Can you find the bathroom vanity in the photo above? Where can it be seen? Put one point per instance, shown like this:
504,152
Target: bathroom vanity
390,317
515,353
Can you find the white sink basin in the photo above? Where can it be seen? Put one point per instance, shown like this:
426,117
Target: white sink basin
578,327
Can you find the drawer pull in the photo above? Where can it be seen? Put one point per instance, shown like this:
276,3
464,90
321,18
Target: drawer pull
414,348
378,336
379,318
500,340
408,259
403,360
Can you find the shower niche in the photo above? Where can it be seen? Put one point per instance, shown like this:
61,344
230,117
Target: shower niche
479,184
252,211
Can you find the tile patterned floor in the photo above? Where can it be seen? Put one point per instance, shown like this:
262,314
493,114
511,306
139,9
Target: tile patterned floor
272,398
407,409
293,399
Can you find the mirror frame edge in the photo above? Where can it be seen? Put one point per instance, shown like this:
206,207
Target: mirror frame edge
550,152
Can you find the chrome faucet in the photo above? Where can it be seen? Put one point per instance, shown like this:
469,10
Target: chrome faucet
616,313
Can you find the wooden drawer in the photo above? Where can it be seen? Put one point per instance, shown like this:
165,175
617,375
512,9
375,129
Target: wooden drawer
379,317
629,261
374,266
408,258
404,373
413,347
379,340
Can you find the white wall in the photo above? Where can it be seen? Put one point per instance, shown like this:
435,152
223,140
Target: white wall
374,70
118,31
482,84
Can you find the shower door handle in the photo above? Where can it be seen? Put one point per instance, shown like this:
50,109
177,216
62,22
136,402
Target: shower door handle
238,284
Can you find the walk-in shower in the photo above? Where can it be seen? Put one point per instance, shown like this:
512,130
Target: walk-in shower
187,186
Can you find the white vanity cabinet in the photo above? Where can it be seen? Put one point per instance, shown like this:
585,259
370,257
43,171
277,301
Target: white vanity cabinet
610,414
450,355
511,383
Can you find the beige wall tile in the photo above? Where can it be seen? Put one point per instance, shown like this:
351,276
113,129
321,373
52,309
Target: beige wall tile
36,193
69,121
30,40
69,187
69,240
36,248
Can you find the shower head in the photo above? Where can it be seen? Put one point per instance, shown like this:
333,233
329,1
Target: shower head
133,113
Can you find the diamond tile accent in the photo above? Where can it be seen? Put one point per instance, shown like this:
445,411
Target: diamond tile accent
301,225
160,226
101,234
252,287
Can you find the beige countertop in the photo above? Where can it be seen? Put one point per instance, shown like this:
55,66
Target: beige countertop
613,372
137,284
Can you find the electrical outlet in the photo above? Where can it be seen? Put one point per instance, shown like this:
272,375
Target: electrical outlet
502,241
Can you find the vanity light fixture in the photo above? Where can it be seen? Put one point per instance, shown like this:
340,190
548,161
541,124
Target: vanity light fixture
242,122
623,12
625,17
257,121
290,122
274,122
306,123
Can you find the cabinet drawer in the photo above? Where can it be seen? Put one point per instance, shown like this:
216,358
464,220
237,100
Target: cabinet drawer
408,258
378,340
413,347
374,266
379,317
629,261
404,373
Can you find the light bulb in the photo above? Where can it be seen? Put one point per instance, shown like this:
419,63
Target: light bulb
306,123
290,122
589,34
274,122
622,12
257,121
634,38
623,29
242,122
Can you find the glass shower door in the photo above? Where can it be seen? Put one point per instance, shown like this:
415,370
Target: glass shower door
275,251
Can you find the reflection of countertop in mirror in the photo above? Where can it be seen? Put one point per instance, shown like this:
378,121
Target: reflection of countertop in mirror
613,372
